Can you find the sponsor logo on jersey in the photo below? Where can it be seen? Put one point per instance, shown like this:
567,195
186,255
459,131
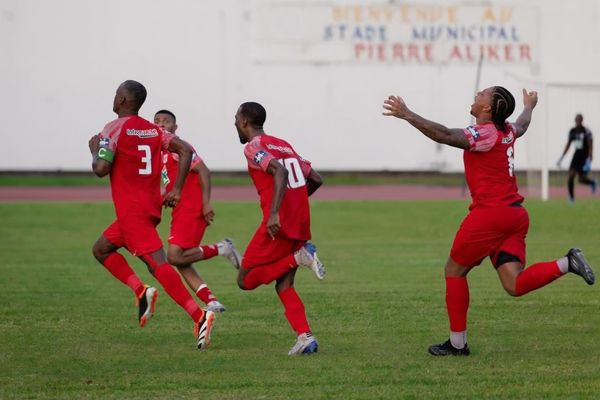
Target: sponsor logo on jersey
165,176
473,132
142,134
508,139
259,156
282,149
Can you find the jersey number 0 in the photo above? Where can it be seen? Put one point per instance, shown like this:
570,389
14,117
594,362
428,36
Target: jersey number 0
295,175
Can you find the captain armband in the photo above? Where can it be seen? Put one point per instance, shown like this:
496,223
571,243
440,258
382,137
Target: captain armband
106,154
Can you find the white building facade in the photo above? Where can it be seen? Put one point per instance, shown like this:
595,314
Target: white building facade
321,69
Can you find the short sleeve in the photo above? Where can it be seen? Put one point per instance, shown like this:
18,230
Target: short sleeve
196,159
306,166
109,137
481,137
257,155
166,138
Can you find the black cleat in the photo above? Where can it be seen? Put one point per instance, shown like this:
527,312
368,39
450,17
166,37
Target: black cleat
579,266
446,349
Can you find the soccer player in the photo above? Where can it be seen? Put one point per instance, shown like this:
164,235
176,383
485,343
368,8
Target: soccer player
190,217
129,149
497,222
284,180
581,163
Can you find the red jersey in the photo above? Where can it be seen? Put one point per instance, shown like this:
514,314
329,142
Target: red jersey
294,213
490,166
133,146
191,194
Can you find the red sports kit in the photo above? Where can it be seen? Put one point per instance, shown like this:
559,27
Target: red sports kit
133,146
496,221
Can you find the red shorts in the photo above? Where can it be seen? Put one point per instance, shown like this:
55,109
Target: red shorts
487,232
136,233
187,229
263,250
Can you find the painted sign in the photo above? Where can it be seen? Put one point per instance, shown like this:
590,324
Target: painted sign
395,33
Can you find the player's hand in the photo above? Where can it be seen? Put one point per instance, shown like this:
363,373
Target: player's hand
209,214
273,225
530,99
94,144
172,198
559,161
395,107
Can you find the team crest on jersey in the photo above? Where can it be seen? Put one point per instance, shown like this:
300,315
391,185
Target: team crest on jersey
259,156
474,132
508,139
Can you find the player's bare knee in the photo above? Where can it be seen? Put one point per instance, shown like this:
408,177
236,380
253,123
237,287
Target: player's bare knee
241,285
241,278
100,251
174,258
175,261
511,290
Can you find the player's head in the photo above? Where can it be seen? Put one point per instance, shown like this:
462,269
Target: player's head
166,120
579,120
503,105
494,104
129,97
249,117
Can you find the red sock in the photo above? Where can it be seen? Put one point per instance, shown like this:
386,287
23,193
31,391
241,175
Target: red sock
266,274
209,251
171,282
294,310
118,267
205,294
457,302
536,276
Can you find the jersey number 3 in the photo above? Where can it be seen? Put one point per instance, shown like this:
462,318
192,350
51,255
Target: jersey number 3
295,175
511,161
146,159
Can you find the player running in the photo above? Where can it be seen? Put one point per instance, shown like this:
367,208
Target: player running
497,223
190,218
284,180
581,163
129,149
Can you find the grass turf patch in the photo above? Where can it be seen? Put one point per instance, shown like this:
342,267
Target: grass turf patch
69,330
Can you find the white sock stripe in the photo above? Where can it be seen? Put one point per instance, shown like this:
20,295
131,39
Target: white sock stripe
204,285
563,264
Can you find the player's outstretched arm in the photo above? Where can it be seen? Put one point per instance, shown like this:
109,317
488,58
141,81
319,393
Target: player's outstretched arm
280,178
530,100
313,181
184,151
205,183
396,107
100,157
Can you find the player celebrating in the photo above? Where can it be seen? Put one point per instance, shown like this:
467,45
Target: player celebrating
129,149
581,163
284,180
190,218
497,223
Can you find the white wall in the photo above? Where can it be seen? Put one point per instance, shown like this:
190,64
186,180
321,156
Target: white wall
61,61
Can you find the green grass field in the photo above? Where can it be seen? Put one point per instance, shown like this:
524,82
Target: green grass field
69,330
557,178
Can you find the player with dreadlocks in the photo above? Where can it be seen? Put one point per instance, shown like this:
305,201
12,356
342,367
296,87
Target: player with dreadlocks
497,222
